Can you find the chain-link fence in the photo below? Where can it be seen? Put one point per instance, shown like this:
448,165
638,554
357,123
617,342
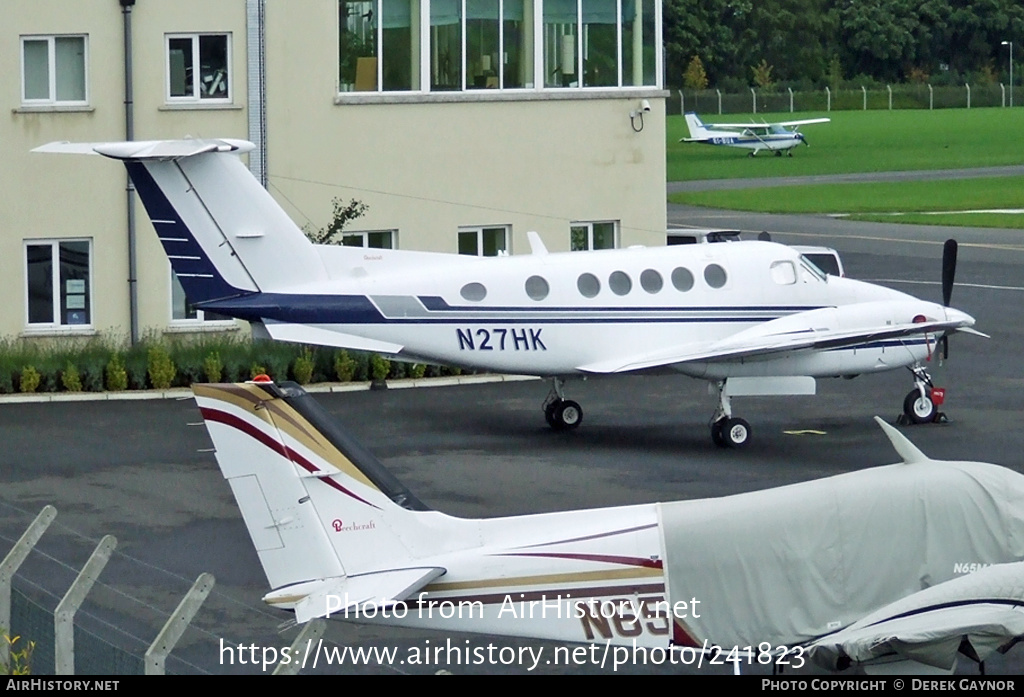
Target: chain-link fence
781,100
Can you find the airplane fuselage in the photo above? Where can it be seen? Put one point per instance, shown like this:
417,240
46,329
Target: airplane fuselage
557,314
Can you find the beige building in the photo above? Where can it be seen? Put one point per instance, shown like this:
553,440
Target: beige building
461,124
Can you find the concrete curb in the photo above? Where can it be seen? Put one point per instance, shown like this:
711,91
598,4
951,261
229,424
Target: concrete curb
185,393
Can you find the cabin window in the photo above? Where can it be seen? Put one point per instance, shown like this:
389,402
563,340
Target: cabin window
651,281
682,279
783,273
620,283
474,292
588,285
714,275
537,288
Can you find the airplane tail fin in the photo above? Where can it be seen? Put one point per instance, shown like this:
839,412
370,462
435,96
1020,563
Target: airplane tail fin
224,234
327,520
696,127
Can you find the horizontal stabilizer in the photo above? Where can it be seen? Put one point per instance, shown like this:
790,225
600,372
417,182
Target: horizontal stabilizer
149,149
324,336
335,596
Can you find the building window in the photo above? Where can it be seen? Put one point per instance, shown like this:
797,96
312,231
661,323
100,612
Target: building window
462,45
58,282
198,67
378,239
53,70
587,236
600,43
483,241
378,45
184,311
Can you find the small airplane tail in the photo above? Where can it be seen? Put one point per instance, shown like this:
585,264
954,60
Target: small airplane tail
332,527
696,127
223,233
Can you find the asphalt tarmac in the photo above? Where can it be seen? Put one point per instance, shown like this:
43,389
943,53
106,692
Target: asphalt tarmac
142,470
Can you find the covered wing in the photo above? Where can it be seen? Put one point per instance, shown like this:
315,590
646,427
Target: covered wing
976,615
822,329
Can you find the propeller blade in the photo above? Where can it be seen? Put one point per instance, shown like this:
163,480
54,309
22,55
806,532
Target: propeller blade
948,270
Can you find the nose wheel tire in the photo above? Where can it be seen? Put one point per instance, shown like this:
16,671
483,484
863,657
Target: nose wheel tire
920,410
731,433
564,415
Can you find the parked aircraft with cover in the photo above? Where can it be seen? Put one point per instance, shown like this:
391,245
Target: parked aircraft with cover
902,567
751,318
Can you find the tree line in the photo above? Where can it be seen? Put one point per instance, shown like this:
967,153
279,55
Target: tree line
809,44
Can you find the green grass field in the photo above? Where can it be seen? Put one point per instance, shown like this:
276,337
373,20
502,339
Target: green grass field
870,141
860,141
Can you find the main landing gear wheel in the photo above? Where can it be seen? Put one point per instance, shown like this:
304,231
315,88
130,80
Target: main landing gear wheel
919,409
563,414
731,433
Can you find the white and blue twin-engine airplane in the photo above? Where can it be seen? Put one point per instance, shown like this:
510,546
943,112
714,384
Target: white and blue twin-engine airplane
752,318
778,137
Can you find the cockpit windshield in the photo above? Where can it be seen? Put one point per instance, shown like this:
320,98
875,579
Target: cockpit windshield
813,269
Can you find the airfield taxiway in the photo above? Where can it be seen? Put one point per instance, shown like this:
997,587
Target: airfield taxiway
142,470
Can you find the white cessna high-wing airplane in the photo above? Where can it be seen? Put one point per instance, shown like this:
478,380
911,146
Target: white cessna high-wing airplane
778,137
752,318
909,564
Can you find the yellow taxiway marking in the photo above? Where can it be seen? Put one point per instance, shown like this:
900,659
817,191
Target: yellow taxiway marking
805,432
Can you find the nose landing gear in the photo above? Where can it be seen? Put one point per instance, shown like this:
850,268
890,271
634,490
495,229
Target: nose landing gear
921,405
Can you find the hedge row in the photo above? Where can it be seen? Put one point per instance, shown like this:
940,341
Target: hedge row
99,364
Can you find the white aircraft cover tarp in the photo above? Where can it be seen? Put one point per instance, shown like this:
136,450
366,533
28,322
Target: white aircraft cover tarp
984,609
788,565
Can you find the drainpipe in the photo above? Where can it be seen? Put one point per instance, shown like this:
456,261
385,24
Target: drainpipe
129,134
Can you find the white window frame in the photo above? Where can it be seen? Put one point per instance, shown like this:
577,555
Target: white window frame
55,289
51,41
196,96
589,225
200,318
479,230
364,235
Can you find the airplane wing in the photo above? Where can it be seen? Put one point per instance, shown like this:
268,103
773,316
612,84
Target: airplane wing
786,334
977,615
802,122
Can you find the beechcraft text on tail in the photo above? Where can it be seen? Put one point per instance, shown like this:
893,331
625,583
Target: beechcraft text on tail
780,137
916,562
752,318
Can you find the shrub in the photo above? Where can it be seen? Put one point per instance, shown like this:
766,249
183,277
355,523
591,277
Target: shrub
417,371
255,370
213,367
302,369
117,376
29,380
379,367
161,368
20,662
70,378
344,366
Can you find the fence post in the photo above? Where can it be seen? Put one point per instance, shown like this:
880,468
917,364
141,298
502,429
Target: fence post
682,103
311,633
9,566
865,91
167,639
64,615
790,99
719,101
1002,88
968,86
828,97
931,95
753,97
889,87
